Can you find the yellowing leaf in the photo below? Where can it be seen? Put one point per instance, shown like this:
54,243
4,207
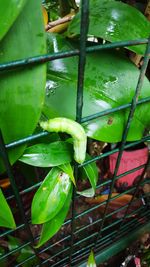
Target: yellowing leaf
45,15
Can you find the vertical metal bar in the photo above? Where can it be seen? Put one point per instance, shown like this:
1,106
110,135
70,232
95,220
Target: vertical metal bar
4,155
82,58
125,133
79,101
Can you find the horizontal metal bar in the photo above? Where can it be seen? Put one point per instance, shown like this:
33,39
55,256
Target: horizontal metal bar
113,110
27,139
55,244
48,57
8,232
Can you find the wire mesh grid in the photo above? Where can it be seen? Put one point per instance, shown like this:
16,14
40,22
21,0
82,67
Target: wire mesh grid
107,233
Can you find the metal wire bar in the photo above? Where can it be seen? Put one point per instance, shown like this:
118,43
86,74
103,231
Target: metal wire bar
113,110
131,114
79,99
53,245
27,139
48,57
11,231
4,155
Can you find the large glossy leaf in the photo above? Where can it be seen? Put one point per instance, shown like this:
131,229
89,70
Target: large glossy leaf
22,90
9,10
114,21
6,217
48,155
49,229
110,81
51,196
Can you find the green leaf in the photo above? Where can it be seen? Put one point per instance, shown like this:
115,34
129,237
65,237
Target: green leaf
114,21
25,253
91,260
9,11
6,217
4,261
13,242
87,192
110,81
50,197
22,90
91,171
48,155
2,251
50,228
67,168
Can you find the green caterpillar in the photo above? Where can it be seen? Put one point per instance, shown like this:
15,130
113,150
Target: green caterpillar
74,129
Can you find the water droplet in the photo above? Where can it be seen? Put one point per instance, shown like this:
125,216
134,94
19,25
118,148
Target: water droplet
51,87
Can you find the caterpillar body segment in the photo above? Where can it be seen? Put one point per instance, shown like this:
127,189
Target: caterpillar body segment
74,129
